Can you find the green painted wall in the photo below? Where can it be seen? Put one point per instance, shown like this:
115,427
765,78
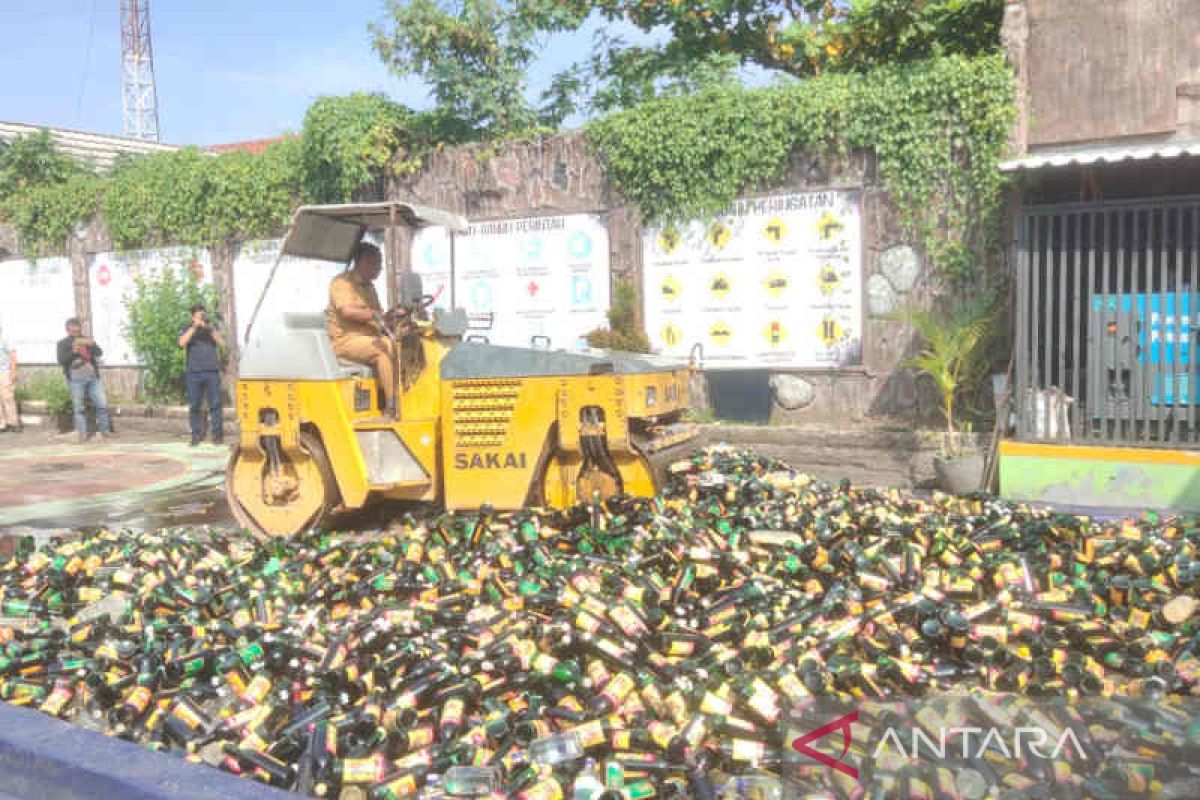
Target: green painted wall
1104,484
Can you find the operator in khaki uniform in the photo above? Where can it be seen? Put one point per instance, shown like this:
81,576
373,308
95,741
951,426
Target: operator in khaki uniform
353,320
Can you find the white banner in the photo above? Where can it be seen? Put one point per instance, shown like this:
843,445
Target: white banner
775,281
300,284
111,277
542,276
36,298
431,260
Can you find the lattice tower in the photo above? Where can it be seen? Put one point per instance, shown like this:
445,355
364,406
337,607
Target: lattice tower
139,98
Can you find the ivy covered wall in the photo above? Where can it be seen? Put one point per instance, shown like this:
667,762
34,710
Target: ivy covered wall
922,140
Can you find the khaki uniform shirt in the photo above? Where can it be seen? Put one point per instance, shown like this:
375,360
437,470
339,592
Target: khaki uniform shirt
348,289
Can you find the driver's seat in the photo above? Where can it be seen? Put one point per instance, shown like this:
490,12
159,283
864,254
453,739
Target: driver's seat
300,349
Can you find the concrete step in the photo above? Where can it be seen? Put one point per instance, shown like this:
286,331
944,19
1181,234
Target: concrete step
133,417
864,455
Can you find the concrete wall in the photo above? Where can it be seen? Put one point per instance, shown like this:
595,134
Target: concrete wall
1117,478
866,455
1093,70
125,382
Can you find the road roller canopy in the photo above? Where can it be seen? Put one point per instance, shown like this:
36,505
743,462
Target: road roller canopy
330,232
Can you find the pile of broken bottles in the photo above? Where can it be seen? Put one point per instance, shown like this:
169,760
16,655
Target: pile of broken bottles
668,647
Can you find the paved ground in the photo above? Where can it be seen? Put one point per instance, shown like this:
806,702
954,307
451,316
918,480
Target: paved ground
49,483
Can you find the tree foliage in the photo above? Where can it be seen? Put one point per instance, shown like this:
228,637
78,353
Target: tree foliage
349,143
157,307
475,54
808,37
475,57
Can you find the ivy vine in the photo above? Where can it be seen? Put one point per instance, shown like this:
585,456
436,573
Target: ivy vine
938,129
192,198
45,214
349,142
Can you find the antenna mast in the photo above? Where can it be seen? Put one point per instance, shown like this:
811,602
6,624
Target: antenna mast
139,98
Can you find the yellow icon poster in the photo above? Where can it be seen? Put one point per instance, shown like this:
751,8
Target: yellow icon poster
720,285
776,283
671,289
828,280
769,281
775,230
720,334
718,234
830,331
775,333
829,226
668,241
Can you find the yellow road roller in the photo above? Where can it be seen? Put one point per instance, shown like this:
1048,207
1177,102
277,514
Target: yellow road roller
475,424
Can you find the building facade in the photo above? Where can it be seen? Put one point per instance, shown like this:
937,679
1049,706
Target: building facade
1106,243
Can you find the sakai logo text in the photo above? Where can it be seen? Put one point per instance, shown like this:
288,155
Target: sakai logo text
489,461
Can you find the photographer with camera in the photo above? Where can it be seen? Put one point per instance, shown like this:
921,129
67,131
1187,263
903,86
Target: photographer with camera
201,339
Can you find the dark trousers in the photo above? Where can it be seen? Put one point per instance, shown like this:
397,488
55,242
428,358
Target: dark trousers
201,385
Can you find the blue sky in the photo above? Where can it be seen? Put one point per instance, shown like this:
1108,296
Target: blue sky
226,71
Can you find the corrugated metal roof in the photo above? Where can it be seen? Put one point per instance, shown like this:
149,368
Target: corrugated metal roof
90,148
1110,154
252,146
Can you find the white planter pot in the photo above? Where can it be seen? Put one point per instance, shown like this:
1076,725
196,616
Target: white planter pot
961,475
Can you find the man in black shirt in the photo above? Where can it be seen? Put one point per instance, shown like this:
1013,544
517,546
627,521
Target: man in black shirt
201,340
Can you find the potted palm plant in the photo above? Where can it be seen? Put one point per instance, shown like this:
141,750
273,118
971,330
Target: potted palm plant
953,357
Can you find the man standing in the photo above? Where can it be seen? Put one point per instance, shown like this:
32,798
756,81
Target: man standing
353,321
201,340
79,357
10,420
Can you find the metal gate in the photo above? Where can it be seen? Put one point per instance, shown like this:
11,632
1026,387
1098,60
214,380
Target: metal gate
1108,297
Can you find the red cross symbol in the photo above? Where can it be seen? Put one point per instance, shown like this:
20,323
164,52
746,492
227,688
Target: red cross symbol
533,288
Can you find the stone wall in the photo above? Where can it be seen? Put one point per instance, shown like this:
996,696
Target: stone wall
551,175
558,175
121,384
539,177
